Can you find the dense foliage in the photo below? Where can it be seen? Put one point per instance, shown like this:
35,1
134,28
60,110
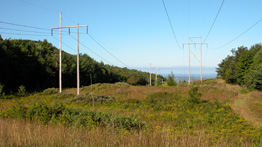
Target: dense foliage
243,67
35,65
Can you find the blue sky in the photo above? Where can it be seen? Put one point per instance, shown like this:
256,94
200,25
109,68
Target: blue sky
137,32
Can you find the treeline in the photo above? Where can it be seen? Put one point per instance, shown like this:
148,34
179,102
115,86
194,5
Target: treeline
35,65
243,67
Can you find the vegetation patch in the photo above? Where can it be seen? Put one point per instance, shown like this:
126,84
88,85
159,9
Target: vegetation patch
50,91
58,113
90,98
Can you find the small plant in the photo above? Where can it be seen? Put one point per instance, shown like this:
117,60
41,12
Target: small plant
194,95
21,90
2,90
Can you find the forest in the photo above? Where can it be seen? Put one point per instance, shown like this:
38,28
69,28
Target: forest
243,67
35,65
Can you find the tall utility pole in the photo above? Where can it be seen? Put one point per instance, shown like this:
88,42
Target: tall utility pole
156,75
150,75
60,71
60,54
189,52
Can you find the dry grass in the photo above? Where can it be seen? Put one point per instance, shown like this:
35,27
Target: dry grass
22,133
255,103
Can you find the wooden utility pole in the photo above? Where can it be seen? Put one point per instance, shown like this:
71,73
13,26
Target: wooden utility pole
60,71
189,52
150,75
156,75
60,54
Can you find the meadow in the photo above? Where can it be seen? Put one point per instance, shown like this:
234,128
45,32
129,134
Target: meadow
210,113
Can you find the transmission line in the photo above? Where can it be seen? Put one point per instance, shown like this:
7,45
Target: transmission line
212,28
64,44
92,50
23,34
214,20
107,50
170,24
52,10
23,30
24,25
240,34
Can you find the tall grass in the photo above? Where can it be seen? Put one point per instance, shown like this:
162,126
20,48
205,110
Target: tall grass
23,133
174,116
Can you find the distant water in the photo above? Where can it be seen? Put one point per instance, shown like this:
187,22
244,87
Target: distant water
194,77
181,73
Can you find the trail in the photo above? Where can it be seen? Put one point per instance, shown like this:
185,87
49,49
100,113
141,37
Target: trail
240,102
240,106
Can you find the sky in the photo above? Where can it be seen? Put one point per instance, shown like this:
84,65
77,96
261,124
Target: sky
135,33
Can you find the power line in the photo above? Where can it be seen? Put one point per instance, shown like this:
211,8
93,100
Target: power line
214,20
24,25
240,34
47,9
170,23
92,50
22,34
27,26
24,30
65,44
107,50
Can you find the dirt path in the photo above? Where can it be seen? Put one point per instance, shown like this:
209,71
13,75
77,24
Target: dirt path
240,106
240,102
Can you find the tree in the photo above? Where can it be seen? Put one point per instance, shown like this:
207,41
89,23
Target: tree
257,82
171,80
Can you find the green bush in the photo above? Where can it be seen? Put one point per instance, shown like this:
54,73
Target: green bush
21,90
88,99
50,91
2,90
72,117
194,95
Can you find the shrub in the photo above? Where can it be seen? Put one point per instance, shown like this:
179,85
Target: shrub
21,90
194,95
50,91
2,90
123,84
72,117
88,99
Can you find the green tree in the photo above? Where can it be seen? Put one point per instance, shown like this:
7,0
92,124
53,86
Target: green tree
257,81
171,80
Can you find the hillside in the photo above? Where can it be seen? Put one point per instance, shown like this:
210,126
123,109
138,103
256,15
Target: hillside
34,64
211,113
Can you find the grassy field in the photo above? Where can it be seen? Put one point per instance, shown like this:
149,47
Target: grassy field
211,113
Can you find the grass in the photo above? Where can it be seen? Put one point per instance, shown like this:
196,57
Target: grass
255,103
130,116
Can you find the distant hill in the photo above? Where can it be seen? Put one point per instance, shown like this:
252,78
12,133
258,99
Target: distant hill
35,64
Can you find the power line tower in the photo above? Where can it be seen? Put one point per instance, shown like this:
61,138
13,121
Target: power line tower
60,52
191,42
